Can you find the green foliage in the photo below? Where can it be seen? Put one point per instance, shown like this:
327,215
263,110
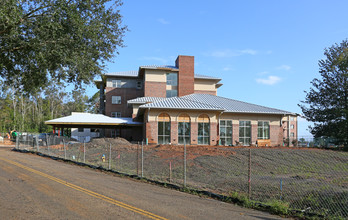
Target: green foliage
65,40
326,103
278,207
29,112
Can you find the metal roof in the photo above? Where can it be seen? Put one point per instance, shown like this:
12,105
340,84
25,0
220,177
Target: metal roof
135,73
231,105
80,118
211,102
132,73
181,103
199,76
143,100
159,67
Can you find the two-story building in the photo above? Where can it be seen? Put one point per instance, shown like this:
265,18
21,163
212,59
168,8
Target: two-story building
178,106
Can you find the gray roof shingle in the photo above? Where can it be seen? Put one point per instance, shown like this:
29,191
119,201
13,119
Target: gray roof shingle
210,102
181,103
231,105
132,73
143,100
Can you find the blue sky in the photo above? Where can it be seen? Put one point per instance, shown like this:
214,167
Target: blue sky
266,52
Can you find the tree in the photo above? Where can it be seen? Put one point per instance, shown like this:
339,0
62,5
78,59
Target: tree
326,103
68,40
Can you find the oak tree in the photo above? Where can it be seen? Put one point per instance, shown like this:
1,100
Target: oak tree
326,103
66,40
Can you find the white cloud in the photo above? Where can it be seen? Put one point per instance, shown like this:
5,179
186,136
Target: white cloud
284,67
248,51
227,69
157,59
271,80
231,53
163,21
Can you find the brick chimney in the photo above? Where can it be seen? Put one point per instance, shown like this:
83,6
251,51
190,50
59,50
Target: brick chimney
186,65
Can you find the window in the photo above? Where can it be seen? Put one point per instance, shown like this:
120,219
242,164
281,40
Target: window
245,132
226,132
115,132
163,129
172,82
116,114
292,126
292,118
171,93
116,83
292,134
116,99
139,85
203,130
172,79
94,130
263,130
184,129
80,129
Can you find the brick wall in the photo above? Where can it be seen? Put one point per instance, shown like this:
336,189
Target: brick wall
185,75
276,135
174,132
253,133
213,133
126,94
194,133
235,133
151,132
155,89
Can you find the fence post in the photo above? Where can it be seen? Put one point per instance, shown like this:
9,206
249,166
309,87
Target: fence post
184,164
170,171
64,149
138,159
249,175
17,142
281,188
84,151
142,158
110,157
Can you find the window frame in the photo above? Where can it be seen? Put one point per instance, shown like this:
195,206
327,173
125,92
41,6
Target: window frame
116,83
116,100
116,114
204,122
225,137
184,121
263,128
244,128
163,121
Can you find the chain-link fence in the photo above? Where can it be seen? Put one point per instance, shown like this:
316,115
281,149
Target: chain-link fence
313,181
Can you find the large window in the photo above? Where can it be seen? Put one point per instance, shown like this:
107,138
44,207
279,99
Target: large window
116,99
245,132
203,130
172,85
172,79
163,129
116,83
263,130
184,129
171,93
226,132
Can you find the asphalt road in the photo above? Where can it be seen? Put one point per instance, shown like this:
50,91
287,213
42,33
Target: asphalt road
33,187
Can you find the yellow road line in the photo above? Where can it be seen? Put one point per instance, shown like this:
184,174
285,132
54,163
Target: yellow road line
86,191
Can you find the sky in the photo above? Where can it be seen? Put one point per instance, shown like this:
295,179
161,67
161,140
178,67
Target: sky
266,52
